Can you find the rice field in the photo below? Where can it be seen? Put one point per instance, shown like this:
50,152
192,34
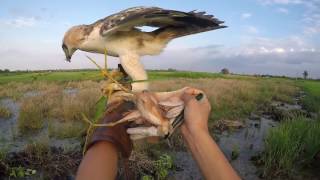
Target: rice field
54,102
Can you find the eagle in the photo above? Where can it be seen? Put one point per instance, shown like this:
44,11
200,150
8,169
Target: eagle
120,35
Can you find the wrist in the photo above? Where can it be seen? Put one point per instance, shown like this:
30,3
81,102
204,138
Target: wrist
194,135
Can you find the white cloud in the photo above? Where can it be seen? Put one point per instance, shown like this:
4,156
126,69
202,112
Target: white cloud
311,15
283,10
246,15
284,2
312,19
19,22
256,55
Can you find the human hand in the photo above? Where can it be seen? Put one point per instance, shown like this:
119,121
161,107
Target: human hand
168,99
196,113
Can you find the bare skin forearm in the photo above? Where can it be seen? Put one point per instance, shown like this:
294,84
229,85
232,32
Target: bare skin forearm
99,163
209,157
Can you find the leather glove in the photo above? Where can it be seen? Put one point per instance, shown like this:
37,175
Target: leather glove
116,134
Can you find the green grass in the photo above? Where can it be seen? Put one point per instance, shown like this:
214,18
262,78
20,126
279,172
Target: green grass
247,96
291,146
50,76
312,100
63,76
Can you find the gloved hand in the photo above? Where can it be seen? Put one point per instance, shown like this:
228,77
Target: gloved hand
172,106
116,134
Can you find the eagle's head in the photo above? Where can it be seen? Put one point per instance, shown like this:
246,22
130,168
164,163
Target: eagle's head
72,40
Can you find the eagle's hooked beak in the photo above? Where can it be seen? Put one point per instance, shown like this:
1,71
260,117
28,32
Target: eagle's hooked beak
67,52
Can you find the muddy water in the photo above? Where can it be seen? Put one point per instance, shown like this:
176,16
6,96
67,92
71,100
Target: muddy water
12,141
8,126
245,142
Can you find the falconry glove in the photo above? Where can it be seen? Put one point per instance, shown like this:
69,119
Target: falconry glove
115,134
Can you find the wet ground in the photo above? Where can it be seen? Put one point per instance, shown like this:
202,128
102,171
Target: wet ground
12,141
238,144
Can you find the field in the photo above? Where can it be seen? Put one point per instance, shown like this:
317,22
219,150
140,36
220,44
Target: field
45,109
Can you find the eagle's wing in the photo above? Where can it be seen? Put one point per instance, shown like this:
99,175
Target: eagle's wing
194,22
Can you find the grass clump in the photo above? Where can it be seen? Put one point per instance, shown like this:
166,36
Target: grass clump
31,115
5,112
312,99
72,106
291,146
52,102
62,130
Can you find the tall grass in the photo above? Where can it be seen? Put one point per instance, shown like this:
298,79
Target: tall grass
291,145
32,114
234,99
53,103
312,99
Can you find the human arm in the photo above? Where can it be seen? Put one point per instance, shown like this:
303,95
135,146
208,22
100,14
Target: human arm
211,161
99,163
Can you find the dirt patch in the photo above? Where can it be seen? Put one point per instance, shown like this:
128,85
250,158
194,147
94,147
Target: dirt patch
49,163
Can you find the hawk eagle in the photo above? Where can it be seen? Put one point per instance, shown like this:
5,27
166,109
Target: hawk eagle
120,36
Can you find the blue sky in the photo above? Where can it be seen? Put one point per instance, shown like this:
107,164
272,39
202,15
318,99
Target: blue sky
280,37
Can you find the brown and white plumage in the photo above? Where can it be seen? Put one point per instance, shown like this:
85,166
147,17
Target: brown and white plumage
120,36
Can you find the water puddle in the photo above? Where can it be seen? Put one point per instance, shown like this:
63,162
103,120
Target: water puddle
11,141
239,145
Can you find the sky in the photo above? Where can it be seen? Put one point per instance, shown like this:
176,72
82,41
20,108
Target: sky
278,37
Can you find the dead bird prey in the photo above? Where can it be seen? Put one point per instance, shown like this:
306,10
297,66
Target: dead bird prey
118,35
155,113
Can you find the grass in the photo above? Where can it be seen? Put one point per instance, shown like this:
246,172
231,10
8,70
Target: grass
234,99
53,103
65,76
5,113
291,146
294,144
31,115
64,130
50,162
312,99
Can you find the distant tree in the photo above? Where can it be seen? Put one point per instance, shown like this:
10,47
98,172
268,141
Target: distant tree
305,74
6,70
171,69
225,71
